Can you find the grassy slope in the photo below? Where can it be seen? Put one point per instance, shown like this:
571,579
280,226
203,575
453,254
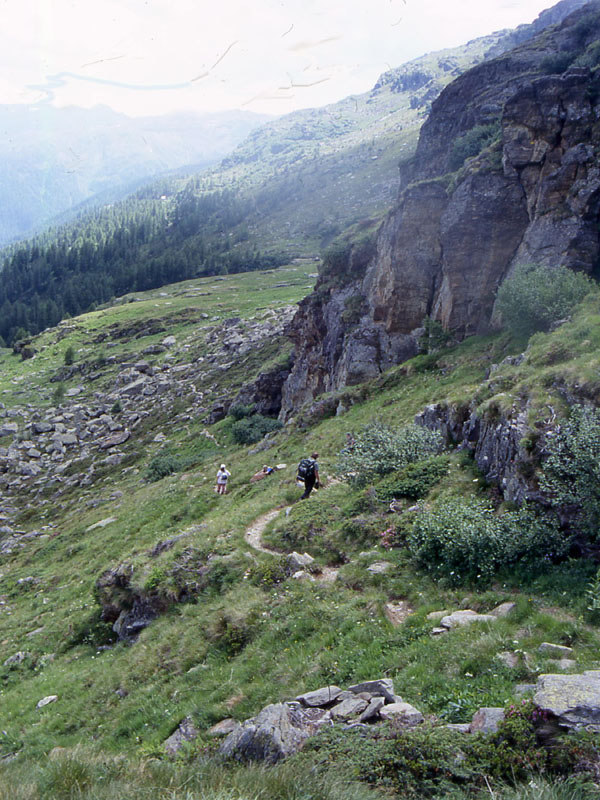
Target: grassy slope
242,644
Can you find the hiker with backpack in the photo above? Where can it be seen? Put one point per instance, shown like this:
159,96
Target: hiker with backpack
308,473
222,475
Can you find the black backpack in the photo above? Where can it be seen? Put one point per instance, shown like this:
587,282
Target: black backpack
306,468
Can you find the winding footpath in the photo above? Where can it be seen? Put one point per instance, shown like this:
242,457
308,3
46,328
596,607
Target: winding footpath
253,537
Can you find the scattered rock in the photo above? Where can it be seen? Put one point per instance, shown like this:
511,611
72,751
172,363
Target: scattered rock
224,728
558,650
383,687
349,708
486,720
503,610
460,727
436,616
275,733
17,658
574,700
403,712
320,697
459,618
52,698
510,660
379,567
372,710
297,562
102,524
186,732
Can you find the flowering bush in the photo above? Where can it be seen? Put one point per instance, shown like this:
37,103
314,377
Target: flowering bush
533,297
465,541
379,450
571,472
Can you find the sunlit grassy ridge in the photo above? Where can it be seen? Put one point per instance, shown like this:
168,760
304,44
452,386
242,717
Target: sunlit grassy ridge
246,641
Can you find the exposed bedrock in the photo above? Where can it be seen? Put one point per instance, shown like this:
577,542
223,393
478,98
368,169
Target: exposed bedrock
530,196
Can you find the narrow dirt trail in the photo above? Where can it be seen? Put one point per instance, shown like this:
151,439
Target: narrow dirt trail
254,532
253,537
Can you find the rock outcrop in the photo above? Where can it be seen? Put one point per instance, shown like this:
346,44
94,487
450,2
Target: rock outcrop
505,173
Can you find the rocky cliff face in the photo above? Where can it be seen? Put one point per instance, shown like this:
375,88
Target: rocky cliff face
506,172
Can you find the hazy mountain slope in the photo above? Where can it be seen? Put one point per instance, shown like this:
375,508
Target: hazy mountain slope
52,159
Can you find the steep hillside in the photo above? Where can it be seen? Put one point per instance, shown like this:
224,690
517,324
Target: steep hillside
133,598
504,174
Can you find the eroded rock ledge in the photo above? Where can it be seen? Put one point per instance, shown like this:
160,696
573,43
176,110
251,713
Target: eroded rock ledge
531,197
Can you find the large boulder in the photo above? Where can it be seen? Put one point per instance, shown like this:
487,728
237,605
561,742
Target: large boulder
278,731
572,700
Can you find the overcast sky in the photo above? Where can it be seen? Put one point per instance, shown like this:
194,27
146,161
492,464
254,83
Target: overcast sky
270,56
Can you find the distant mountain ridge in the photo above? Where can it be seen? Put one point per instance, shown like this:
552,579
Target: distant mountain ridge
53,159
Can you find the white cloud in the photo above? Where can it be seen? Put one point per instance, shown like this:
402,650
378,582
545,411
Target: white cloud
146,56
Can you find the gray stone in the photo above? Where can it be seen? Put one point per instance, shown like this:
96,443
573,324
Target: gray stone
404,712
438,631
574,700
558,650
51,698
510,660
102,523
379,567
42,427
436,616
224,728
459,618
169,341
115,440
17,658
320,697
276,732
460,727
29,470
503,610
382,686
372,710
9,429
349,708
486,720
564,663
186,732
297,562
303,576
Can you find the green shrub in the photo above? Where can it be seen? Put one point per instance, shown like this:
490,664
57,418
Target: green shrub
156,578
434,337
414,481
249,430
58,395
591,57
379,450
571,473
472,143
267,573
557,63
534,298
464,541
163,464
241,410
69,356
